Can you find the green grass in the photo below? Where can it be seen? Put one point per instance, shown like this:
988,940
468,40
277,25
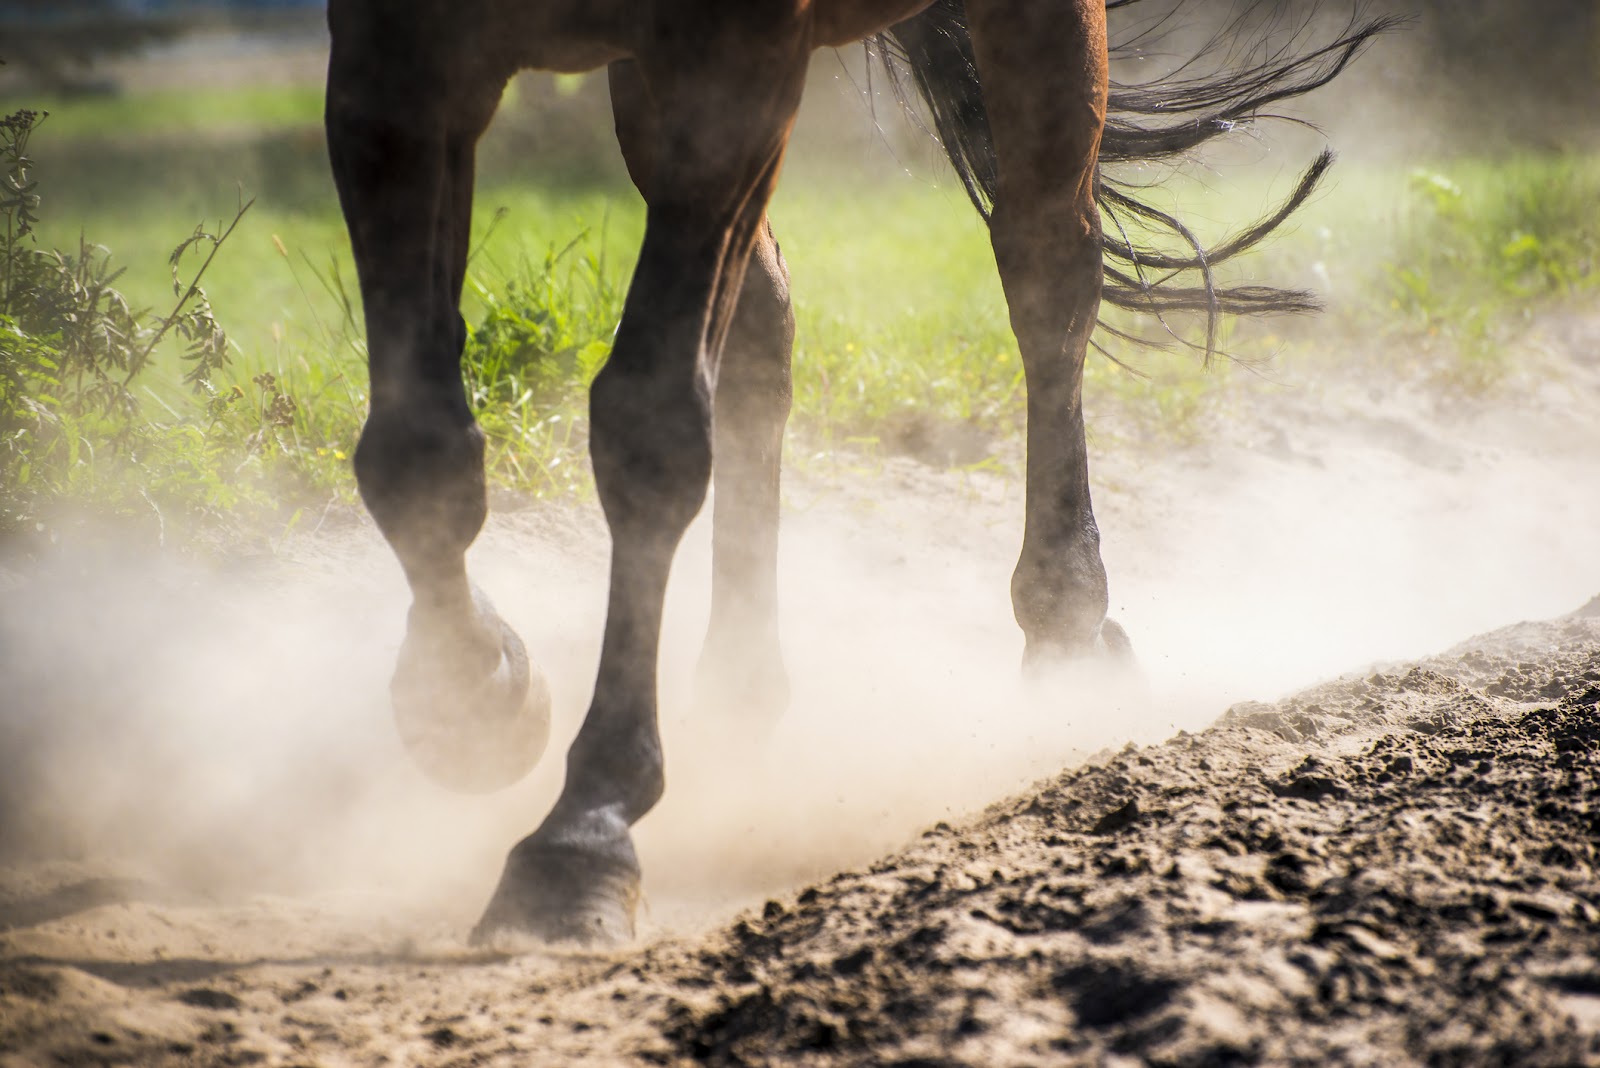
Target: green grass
898,309
176,113
902,325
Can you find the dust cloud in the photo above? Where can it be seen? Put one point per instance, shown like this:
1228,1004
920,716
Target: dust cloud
223,731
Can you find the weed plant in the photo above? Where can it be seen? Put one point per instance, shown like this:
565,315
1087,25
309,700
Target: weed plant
1482,243
544,334
73,352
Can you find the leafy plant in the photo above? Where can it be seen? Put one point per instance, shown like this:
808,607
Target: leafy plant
1479,245
72,349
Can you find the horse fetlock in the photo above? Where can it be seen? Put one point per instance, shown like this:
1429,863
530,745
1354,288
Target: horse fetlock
1060,601
614,770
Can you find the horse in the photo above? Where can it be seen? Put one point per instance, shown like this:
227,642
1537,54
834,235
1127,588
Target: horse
704,95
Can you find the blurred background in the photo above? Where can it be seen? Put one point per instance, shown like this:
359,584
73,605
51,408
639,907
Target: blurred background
1467,195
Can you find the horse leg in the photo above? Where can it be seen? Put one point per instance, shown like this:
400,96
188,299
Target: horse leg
402,122
741,667
1044,77
724,107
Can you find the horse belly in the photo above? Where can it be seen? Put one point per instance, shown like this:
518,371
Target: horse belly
567,36
842,22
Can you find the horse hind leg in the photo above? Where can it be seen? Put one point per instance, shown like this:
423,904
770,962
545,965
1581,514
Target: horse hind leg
741,669
402,126
1043,70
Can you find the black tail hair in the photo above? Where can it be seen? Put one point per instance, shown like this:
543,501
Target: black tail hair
935,49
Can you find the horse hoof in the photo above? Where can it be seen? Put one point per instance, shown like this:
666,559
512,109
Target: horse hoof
563,893
473,733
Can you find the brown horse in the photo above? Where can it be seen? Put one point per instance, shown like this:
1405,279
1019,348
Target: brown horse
705,94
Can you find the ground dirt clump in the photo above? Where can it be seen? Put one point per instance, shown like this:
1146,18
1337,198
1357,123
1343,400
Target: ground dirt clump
1391,868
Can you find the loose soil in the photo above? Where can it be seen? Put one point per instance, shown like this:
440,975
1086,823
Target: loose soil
1390,869
212,851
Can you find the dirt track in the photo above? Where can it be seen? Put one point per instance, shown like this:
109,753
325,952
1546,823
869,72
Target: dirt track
213,852
1376,871
1384,870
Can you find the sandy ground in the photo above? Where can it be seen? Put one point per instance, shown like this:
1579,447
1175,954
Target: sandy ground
1383,870
214,851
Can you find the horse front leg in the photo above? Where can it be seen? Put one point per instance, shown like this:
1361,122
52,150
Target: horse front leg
724,109
402,127
1044,78
741,673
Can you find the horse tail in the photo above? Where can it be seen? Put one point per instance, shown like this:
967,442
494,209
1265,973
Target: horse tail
1150,122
